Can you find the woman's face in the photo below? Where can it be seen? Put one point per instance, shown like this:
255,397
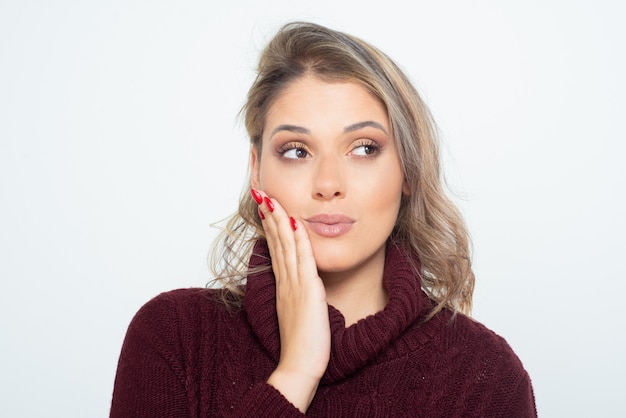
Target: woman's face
328,158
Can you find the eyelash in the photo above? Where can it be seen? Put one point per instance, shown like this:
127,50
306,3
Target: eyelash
370,144
290,146
298,146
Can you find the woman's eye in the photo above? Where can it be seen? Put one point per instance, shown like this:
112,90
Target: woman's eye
364,150
295,153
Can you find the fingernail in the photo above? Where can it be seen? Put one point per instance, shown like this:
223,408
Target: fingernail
256,196
294,224
269,204
261,214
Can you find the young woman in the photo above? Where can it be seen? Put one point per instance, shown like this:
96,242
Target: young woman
345,275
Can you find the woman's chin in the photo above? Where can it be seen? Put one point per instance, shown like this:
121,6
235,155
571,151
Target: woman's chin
335,260
333,263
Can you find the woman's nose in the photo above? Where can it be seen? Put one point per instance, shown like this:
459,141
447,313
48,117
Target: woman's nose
328,181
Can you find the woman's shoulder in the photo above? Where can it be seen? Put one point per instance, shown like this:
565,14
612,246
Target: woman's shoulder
181,300
193,295
485,365
458,330
184,309
471,345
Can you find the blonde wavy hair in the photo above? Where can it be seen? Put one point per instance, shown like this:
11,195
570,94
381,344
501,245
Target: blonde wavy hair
428,223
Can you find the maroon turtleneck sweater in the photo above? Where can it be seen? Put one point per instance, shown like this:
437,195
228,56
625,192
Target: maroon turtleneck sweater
186,355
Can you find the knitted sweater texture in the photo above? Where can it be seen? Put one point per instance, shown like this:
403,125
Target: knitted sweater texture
186,355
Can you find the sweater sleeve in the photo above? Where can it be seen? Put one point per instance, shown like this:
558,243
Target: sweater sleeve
522,404
265,401
512,393
152,379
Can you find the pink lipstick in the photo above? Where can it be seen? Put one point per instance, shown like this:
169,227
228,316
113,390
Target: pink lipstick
329,225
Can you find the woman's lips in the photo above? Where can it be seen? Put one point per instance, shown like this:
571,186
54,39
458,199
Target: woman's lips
329,225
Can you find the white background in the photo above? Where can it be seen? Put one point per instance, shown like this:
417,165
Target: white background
120,145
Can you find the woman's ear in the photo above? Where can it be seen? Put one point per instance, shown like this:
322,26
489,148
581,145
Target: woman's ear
255,166
405,188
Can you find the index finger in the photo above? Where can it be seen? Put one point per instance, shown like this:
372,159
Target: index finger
304,251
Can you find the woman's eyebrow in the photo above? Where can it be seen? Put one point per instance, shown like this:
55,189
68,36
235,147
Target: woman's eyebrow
364,124
290,128
347,129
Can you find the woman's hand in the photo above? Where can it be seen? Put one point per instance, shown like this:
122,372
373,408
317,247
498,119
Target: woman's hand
300,305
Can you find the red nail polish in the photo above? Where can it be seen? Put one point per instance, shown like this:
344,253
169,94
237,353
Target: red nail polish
261,214
256,196
294,224
269,204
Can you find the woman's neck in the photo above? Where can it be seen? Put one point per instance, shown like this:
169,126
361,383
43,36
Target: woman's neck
357,293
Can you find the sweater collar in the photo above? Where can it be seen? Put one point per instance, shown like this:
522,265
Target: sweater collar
357,345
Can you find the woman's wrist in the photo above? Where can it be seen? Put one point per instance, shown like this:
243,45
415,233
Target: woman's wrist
297,388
